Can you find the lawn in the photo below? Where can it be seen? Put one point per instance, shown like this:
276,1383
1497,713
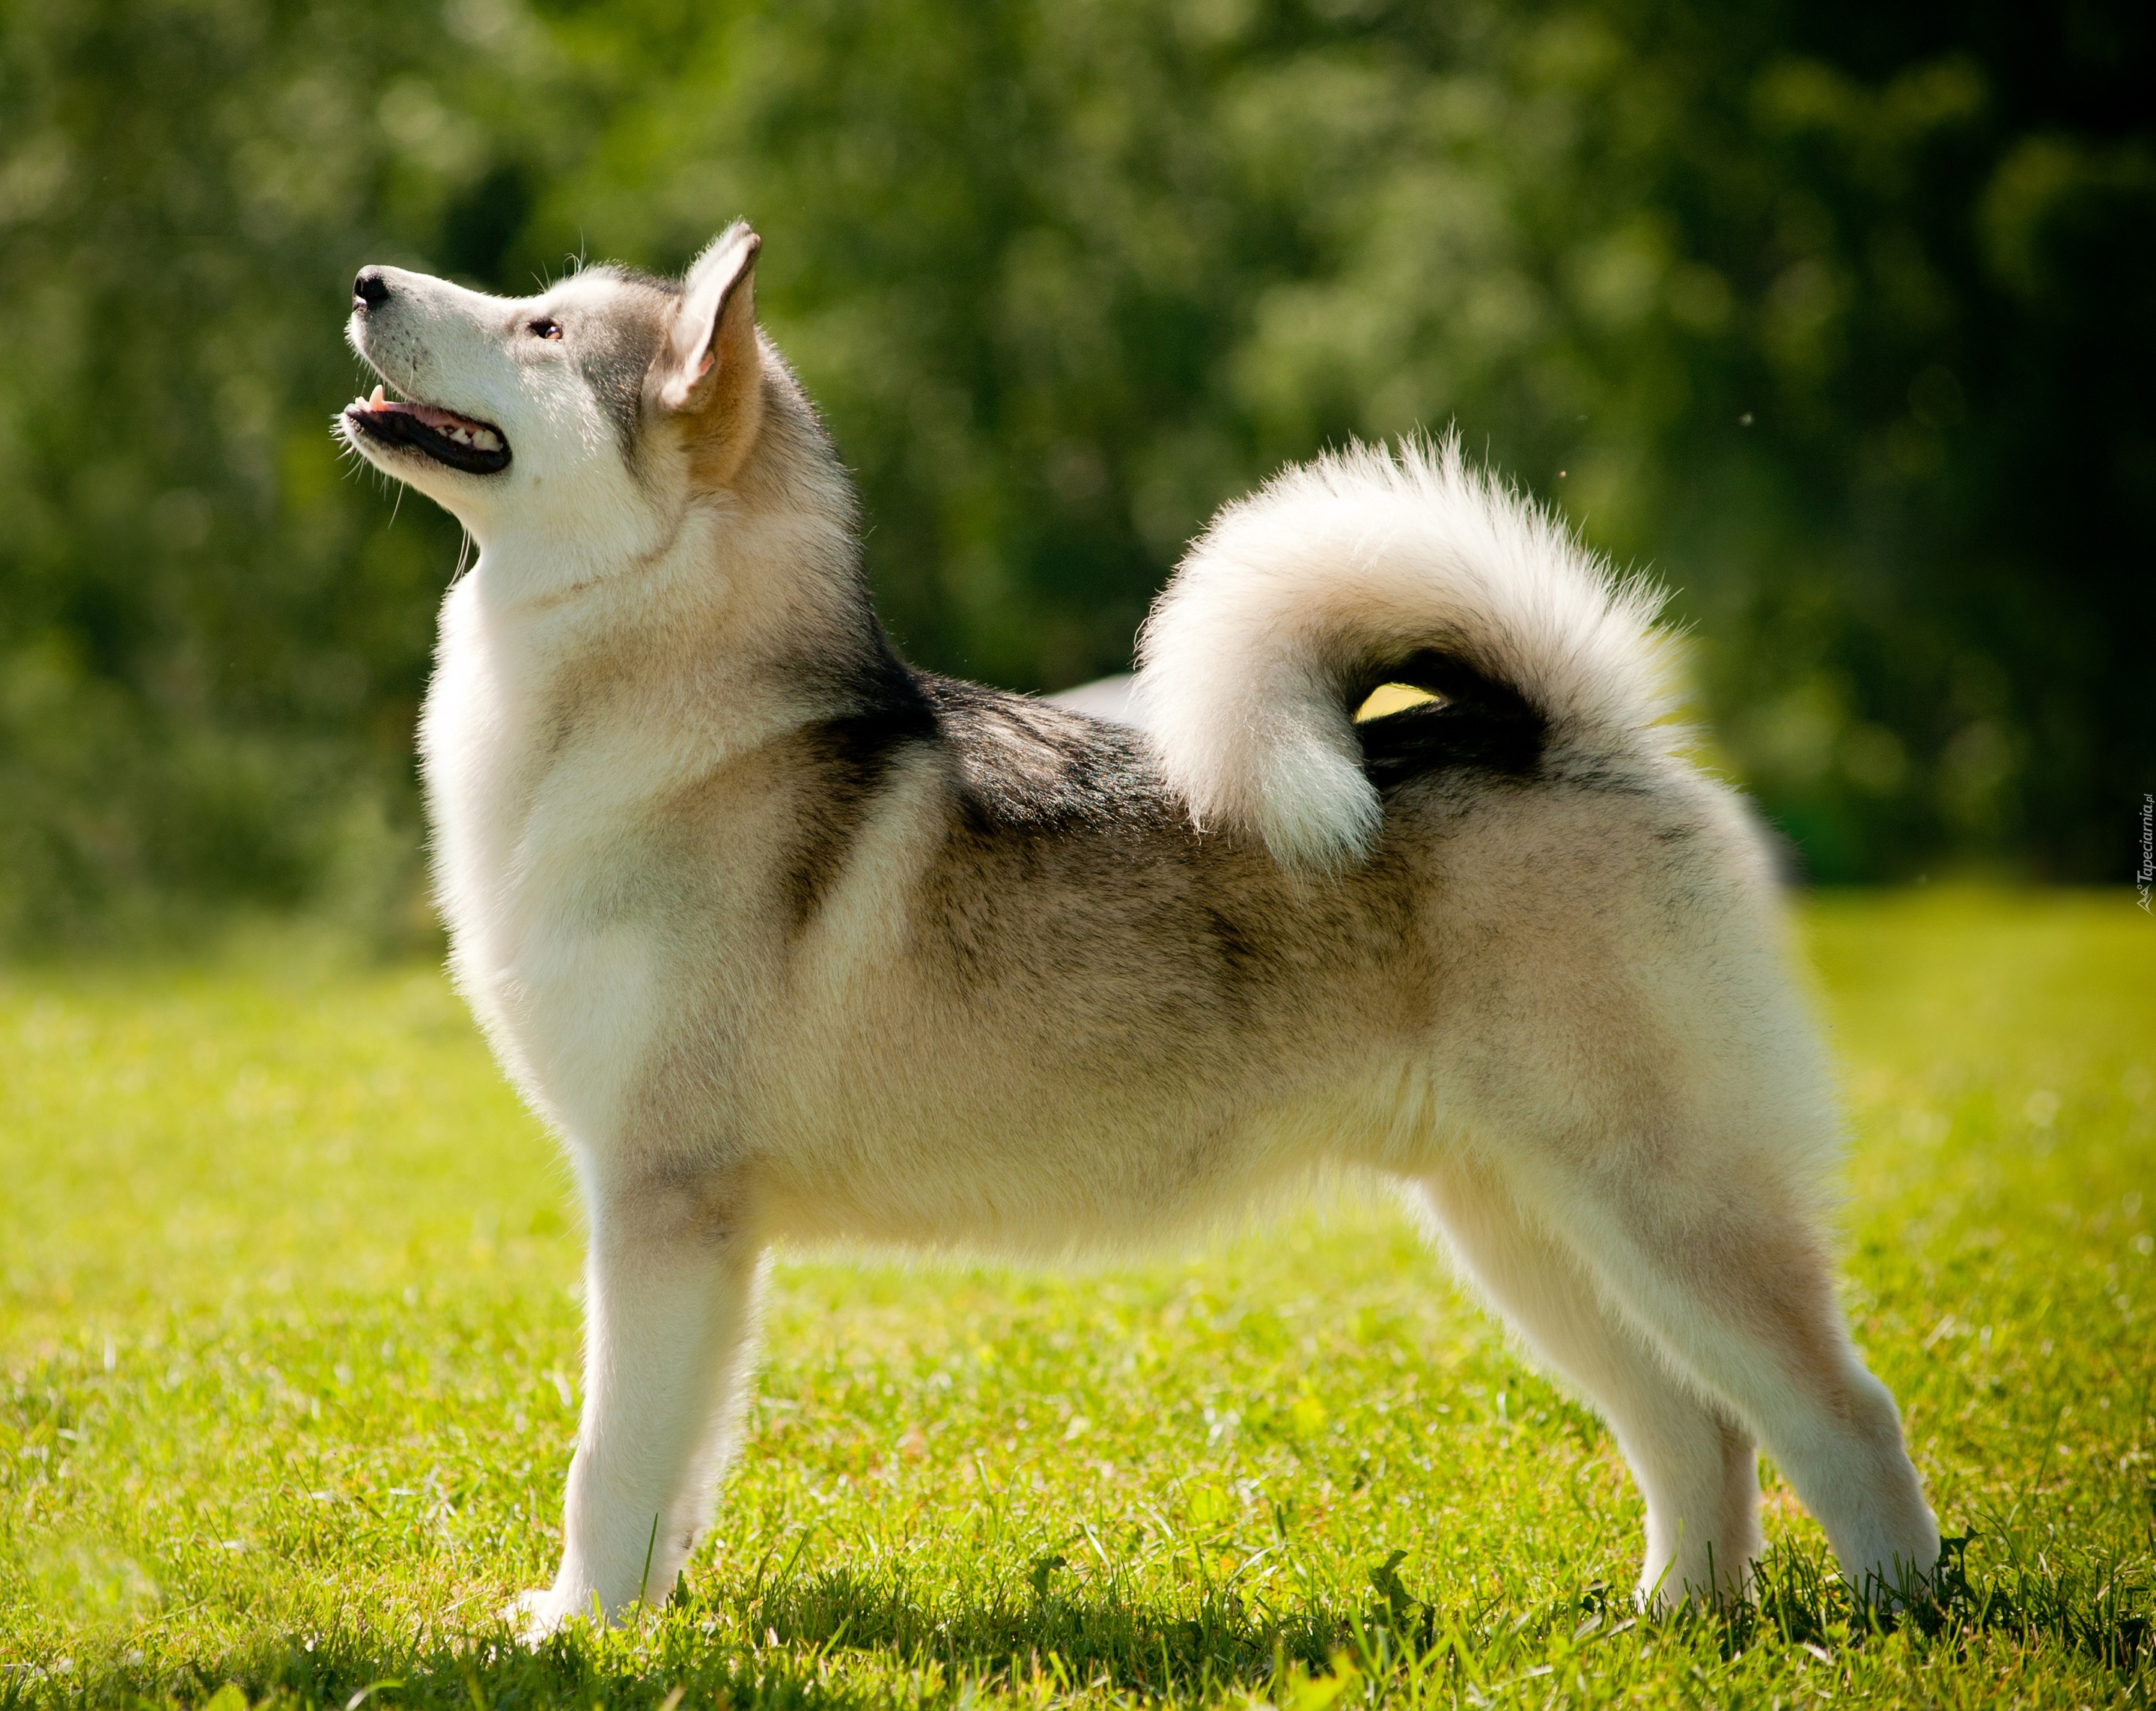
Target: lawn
288,1336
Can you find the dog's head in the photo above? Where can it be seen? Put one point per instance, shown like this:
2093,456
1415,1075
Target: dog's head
587,416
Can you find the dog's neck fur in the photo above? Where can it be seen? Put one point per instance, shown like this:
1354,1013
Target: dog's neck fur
746,611
572,697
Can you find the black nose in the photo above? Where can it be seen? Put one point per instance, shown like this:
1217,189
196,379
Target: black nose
369,289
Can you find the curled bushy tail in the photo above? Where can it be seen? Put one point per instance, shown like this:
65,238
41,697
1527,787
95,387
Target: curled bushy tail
1298,599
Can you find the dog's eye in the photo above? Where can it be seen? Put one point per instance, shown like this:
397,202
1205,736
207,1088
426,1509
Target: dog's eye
546,327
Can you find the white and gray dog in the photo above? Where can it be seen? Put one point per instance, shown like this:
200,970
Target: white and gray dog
788,940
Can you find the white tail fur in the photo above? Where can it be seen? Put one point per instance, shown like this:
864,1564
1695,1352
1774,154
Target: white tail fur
1345,566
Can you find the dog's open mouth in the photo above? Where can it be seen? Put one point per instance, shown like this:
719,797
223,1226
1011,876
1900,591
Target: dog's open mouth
458,441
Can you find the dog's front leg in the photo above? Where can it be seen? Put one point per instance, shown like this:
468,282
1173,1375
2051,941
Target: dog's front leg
668,1317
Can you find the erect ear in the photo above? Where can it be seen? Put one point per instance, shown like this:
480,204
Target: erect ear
709,355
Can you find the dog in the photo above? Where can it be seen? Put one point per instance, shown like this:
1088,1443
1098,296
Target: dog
788,940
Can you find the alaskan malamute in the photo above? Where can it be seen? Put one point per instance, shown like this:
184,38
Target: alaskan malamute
787,940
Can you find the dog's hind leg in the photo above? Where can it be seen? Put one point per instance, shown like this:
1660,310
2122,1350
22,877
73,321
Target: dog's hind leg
1721,1264
1696,1466
670,1283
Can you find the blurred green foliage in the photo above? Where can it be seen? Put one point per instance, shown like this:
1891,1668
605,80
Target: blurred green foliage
1837,316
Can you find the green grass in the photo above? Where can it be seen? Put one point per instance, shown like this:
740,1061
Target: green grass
288,1356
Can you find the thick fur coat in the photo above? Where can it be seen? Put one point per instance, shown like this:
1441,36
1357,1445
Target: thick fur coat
788,940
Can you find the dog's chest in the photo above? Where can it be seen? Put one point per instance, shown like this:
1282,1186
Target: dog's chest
535,865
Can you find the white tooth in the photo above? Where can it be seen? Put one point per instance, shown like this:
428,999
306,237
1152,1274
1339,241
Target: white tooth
486,441
376,402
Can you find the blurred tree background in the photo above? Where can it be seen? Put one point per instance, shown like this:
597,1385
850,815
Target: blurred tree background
1838,317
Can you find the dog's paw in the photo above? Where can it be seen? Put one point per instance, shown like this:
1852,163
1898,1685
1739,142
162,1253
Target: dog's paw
534,1615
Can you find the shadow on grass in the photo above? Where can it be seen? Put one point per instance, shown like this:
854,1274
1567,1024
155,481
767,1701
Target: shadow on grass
2102,1607
837,1638
841,1638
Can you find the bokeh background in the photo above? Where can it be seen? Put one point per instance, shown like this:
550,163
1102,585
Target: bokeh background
1837,316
